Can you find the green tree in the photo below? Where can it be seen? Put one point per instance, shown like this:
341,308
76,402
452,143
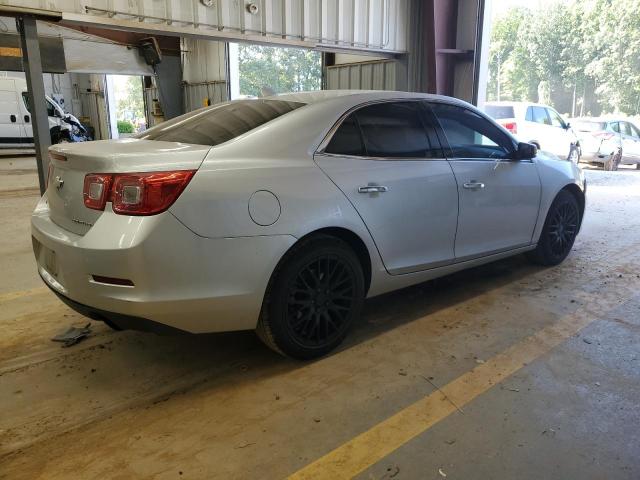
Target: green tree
130,103
265,70
584,55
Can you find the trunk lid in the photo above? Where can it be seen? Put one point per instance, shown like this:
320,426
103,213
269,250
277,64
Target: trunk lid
70,162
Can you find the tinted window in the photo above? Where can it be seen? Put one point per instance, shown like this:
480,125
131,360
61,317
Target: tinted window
386,130
634,130
556,120
540,115
216,125
615,126
394,130
347,139
470,135
499,111
625,128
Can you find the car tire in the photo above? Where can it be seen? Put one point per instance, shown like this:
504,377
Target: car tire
559,231
313,299
574,155
611,164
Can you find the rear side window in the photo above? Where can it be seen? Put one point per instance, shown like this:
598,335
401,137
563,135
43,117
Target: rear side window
213,126
499,111
539,115
386,130
347,140
470,135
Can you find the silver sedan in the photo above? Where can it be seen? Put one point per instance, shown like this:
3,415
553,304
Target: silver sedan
282,214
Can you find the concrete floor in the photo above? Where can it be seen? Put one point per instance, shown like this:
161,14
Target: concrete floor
504,371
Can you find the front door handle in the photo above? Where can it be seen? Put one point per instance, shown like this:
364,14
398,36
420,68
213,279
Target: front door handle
473,185
373,189
27,118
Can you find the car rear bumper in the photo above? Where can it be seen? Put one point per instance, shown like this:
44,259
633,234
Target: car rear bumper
170,275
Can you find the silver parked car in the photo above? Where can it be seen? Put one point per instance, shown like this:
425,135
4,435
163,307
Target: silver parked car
282,214
609,142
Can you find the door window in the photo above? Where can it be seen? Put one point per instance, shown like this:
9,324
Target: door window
556,120
625,129
471,135
635,133
51,111
615,126
386,130
539,115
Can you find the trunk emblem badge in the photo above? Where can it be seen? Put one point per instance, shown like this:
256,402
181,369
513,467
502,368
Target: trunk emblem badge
59,182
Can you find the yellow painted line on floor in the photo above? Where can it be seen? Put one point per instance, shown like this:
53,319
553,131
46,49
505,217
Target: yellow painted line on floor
5,297
368,448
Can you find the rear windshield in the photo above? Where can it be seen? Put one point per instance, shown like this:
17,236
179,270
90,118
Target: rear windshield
589,126
499,111
216,125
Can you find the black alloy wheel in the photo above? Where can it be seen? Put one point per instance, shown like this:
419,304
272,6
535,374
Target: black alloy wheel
563,228
321,297
559,231
314,298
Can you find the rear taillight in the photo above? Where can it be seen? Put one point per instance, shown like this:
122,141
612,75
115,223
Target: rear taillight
97,188
511,126
57,156
135,193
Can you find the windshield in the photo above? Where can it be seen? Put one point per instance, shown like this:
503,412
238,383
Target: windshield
583,126
499,111
216,125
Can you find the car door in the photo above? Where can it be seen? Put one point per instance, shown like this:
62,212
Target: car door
499,198
537,122
560,135
630,143
386,158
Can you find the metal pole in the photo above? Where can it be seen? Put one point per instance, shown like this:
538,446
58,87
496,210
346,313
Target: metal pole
35,84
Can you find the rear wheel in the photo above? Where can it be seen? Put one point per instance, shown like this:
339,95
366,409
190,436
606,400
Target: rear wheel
559,231
313,300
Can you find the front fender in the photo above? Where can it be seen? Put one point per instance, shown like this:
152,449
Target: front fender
555,175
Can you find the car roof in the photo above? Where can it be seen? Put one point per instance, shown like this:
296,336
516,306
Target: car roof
357,96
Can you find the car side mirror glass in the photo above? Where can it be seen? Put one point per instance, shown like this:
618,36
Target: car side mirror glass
525,151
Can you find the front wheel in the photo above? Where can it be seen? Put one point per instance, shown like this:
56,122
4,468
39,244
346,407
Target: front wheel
559,231
314,298
574,155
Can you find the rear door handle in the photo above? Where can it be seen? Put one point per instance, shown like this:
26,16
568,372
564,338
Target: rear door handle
473,185
373,189
12,118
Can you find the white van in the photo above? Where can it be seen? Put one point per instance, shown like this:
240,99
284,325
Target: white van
16,128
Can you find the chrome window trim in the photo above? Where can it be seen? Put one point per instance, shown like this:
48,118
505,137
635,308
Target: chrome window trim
327,138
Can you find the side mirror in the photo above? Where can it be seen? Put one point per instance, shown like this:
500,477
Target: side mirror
525,151
567,126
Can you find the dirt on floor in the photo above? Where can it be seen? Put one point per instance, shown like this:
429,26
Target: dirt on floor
125,405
